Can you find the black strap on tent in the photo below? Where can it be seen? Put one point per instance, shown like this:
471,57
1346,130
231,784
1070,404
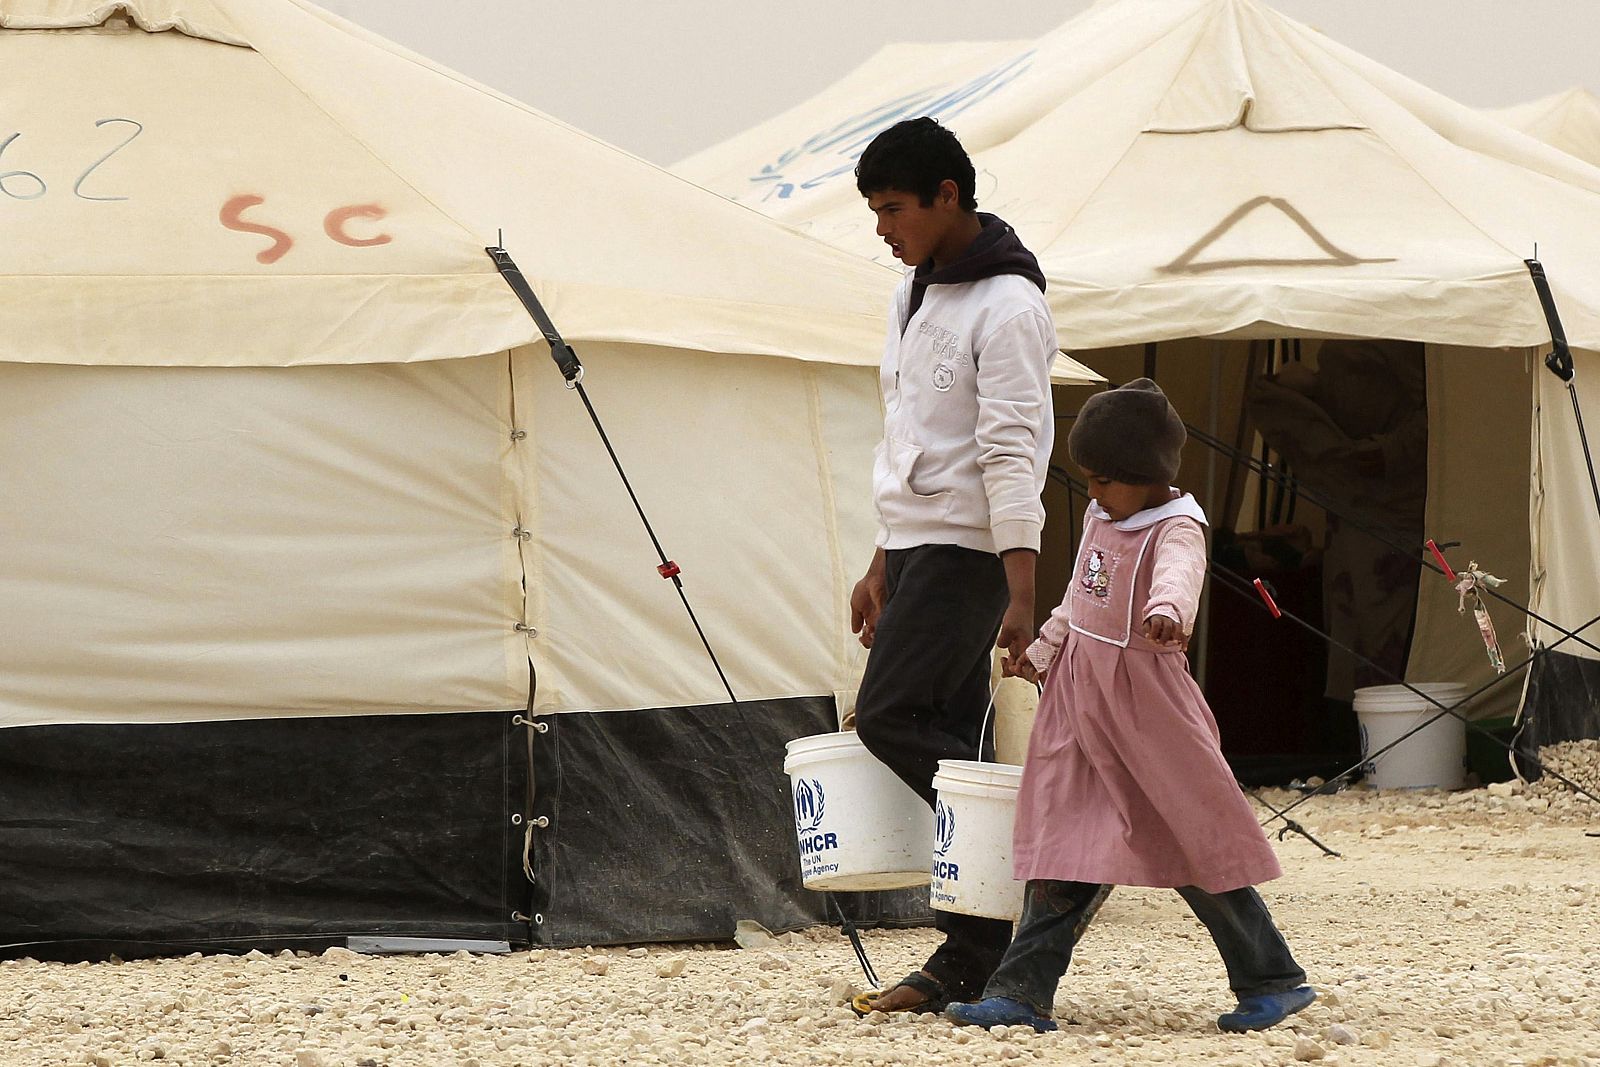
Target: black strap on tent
1561,364
566,360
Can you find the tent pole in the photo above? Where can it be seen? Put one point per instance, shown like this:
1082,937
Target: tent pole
1203,642
1561,364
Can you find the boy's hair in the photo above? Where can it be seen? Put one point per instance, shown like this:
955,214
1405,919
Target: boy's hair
915,156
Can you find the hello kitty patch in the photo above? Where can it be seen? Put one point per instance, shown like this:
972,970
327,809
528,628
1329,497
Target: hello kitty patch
1096,577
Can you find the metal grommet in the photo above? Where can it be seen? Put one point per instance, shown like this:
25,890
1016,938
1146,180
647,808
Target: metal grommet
541,822
538,918
524,628
516,819
521,534
542,727
520,720
519,435
572,382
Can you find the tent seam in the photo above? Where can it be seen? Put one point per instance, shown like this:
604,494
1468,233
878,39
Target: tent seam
1198,14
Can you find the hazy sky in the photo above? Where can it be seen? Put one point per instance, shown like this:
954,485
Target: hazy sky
667,79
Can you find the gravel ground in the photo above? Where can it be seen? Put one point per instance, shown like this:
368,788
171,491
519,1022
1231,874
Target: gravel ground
1458,929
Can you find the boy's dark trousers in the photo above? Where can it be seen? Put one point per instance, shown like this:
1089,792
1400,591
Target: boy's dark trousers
923,698
1055,915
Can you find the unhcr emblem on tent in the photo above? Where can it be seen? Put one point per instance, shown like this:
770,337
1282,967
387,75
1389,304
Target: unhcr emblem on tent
808,804
839,146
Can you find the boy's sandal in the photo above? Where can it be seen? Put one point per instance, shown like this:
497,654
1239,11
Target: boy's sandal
935,997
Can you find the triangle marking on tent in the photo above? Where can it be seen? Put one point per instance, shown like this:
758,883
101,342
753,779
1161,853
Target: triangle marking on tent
1188,261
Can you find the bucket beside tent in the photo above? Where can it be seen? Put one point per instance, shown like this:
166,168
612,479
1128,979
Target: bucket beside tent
1433,757
858,827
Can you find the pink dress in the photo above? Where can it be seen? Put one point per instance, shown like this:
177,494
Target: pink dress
1125,783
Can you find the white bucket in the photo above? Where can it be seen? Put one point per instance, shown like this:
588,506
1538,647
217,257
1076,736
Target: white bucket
972,839
1432,758
858,827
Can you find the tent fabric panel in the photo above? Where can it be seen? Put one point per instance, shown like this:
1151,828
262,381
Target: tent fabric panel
161,839
123,321
190,543
602,221
194,18
847,410
257,182
1566,524
722,458
1568,120
331,231
1457,199
1224,85
1479,423
694,831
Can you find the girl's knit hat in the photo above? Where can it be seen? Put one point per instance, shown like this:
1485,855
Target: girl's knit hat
1130,434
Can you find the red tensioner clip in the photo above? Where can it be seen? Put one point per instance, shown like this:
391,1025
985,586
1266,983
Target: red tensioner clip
1266,598
1448,573
669,569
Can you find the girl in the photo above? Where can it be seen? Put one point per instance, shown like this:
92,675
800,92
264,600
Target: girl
1125,783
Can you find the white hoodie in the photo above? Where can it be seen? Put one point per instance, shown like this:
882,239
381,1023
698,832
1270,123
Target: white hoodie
968,423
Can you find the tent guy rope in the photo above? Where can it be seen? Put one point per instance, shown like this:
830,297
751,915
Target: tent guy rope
566,360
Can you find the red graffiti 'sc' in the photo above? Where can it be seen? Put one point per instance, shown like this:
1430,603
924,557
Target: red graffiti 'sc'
334,225
231,218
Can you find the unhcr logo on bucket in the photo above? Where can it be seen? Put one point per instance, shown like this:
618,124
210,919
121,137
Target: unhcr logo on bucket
944,837
809,807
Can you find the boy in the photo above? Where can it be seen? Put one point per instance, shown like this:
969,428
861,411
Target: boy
968,428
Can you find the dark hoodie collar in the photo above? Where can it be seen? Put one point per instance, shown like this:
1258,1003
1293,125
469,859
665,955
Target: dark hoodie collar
996,250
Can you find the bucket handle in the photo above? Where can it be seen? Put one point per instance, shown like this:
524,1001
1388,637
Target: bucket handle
983,729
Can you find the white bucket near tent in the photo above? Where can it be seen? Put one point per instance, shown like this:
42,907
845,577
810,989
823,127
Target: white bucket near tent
972,839
1432,758
858,826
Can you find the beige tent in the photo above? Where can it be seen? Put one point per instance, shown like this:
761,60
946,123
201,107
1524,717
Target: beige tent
1209,169
278,443
1568,120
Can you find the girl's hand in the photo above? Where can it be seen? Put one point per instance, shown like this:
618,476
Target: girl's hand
1165,631
1019,668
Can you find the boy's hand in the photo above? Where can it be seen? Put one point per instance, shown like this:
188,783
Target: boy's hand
1165,631
867,599
1016,632
1022,668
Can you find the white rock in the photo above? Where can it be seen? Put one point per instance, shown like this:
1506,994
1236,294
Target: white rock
672,968
1340,1034
595,965
1307,1049
749,934
309,1057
